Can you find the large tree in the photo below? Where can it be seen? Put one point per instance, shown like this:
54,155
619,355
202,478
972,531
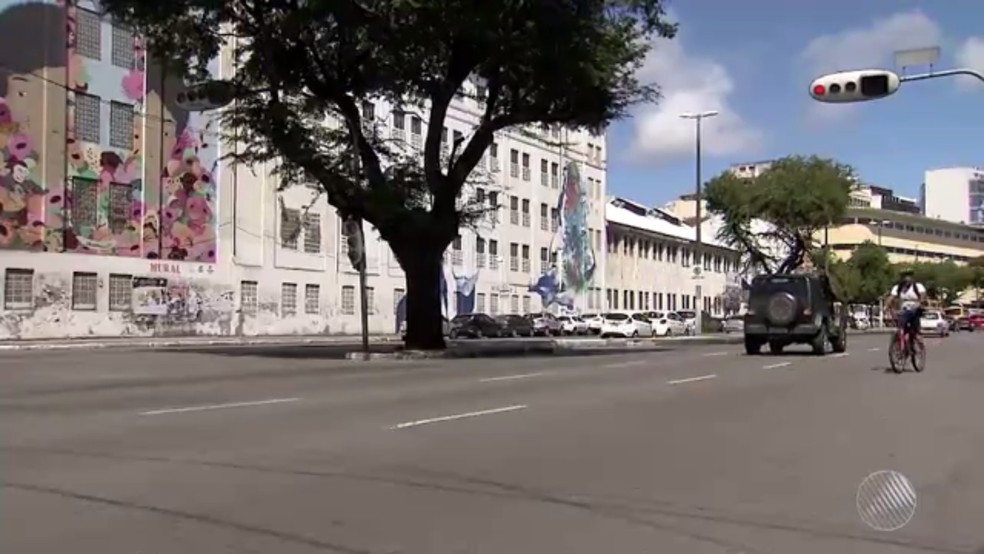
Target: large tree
300,63
792,200
875,276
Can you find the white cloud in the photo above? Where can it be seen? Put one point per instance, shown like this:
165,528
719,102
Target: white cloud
864,47
971,55
688,84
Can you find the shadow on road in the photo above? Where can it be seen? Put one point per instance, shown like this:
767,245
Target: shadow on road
634,511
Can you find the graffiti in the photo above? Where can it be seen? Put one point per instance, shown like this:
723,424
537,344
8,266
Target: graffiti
187,219
22,194
578,262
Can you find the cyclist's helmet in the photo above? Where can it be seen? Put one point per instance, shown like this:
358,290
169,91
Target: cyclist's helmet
907,272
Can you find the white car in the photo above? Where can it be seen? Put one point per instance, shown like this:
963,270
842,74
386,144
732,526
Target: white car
572,325
594,322
689,320
933,323
666,324
626,325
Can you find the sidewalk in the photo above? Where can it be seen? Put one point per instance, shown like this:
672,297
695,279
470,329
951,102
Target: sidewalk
172,342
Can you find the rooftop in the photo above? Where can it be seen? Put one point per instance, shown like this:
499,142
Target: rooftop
628,213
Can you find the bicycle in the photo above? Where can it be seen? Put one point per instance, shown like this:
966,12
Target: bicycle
905,346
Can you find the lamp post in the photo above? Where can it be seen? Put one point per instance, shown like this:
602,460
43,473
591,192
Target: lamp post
697,117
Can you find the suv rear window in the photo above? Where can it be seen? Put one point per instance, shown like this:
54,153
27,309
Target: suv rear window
794,285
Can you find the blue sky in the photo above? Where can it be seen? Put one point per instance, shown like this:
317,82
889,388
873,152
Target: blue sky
753,61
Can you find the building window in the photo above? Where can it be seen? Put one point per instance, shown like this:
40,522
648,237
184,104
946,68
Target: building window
554,219
544,177
554,175
480,303
526,213
479,252
120,125
18,289
494,156
514,256
312,295
370,300
122,52
88,34
526,167
416,132
290,227
119,206
526,258
514,304
514,210
457,256
312,233
526,303
87,116
120,292
348,300
288,298
397,296
249,296
85,287
493,254
544,217
544,260
85,203
493,303
514,163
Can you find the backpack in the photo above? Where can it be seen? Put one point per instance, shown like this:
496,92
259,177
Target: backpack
901,288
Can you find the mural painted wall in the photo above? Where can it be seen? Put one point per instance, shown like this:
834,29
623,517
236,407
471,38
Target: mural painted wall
457,296
560,285
108,200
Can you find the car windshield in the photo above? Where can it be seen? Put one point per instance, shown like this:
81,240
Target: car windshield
616,317
564,318
503,318
589,316
931,315
687,314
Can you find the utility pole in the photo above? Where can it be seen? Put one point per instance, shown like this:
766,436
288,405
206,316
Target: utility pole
356,239
698,251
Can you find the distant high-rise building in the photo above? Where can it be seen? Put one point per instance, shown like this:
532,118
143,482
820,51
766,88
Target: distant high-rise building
955,194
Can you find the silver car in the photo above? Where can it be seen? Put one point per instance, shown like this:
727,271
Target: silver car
734,324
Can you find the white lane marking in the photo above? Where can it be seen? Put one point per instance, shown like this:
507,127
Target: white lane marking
511,377
219,406
710,354
691,379
626,364
774,366
406,424
840,354
875,349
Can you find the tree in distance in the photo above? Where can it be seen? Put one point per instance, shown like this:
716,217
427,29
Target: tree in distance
298,64
796,197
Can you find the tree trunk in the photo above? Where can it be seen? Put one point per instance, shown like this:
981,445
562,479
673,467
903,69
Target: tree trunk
422,265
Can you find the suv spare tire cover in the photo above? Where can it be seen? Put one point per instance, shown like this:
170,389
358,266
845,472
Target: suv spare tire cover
782,308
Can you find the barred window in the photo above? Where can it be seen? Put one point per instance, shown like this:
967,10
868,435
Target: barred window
87,117
288,298
85,203
84,291
249,296
312,298
312,233
120,292
88,34
119,206
290,227
526,304
122,52
120,125
480,303
18,289
348,300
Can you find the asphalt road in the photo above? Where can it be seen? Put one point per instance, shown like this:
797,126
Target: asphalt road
696,450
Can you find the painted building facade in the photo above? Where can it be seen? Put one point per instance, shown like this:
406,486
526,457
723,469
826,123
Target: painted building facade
116,218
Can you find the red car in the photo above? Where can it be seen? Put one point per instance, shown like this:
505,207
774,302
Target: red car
976,321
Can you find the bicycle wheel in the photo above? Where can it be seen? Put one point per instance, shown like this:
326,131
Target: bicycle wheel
918,350
896,357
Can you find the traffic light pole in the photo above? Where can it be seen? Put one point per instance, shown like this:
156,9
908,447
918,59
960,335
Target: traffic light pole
945,73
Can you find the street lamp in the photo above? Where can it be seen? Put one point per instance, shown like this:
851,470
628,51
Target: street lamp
697,117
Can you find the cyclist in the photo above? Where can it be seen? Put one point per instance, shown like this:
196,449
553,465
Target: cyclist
909,295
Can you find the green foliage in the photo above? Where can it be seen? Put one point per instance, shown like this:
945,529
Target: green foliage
300,63
874,270
797,196
944,281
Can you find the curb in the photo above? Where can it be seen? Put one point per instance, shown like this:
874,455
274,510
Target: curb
89,344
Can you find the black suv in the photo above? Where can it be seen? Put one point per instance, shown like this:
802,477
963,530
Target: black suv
793,309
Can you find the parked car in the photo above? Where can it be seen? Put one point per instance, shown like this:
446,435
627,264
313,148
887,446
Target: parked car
689,320
667,324
545,324
933,323
626,325
445,328
976,322
476,326
516,325
572,325
734,324
594,322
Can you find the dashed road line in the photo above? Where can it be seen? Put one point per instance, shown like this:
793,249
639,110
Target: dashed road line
628,364
218,406
840,355
440,419
691,379
512,377
713,354
775,366
874,349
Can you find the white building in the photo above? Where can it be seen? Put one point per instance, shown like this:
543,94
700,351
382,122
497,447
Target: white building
651,262
954,194
246,259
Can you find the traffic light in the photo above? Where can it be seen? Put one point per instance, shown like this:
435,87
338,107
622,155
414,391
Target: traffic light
209,95
356,245
854,86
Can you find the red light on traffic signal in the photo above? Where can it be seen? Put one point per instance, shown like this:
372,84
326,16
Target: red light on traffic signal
819,90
